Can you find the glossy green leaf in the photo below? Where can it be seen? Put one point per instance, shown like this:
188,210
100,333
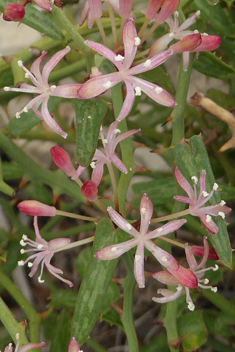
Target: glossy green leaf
89,117
95,284
212,66
192,158
5,188
37,20
192,331
216,16
11,171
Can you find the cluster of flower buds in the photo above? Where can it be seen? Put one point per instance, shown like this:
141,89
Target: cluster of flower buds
15,11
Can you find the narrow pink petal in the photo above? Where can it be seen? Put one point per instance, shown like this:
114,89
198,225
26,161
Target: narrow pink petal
27,88
182,181
167,8
66,90
95,7
53,272
54,60
191,20
158,94
128,102
183,199
122,223
129,35
78,172
118,163
153,7
210,225
97,173
30,346
205,254
98,85
84,13
164,258
50,121
185,277
35,68
139,265
125,135
165,278
159,45
116,250
57,243
166,229
202,181
151,63
36,263
39,238
190,258
125,7
44,4
104,51
215,209
168,295
146,212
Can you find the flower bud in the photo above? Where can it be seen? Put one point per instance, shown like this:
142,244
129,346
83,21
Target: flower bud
209,43
74,346
35,208
199,251
185,277
62,159
90,190
14,12
188,43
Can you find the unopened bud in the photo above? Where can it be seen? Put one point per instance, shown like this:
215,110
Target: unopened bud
199,251
62,159
90,190
185,277
35,208
188,43
74,346
209,43
14,12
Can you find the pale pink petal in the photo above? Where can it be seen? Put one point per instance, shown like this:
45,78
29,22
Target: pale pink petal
97,173
146,212
95,7
49,119
128,102
205,254
57,243
165,278
183,199
35,68
153,7
122,223
190,258
164,258
104,51
54,60
210,225
116,250
125,135
84,13
67,90
166,229
139,265
167,8
52,270
118,163
191,20
44,4
78,172
31,346
168,295
159,45
129,35
182,181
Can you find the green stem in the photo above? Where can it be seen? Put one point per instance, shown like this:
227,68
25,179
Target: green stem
220,302
76,216
127,317
34,319
64,22
170,321
171,216
181,99
114,184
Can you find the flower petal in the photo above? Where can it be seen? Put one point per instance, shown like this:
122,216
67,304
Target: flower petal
166,229
146,212
139,265
67,90
129,35
54,60
182,181
128,102
164,258
122,223
104,51
165,277
115,250
49,119
168,295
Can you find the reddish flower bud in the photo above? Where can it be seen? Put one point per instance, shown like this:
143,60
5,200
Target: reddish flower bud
62,159
188,43
35,208
74,346
14,12
90,190
209,43
199,251
185,277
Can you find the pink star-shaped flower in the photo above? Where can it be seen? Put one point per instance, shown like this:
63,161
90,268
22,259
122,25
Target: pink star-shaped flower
44,252
141,239
196,202
185,278
134,85
44,90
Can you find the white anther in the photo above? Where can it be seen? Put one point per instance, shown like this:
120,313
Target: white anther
40,280
92,164
222,202
119,58
130,169
22,251
176,13
104,141
220,213
27,75
214,289
195,31
128,226
171,35
158,90
143,210
24,237
164,259
20,63
208,218
137,41
89,117
22,243
137,257
159,230
53,87
137,91
206,281
7,89
198,13
216,267
147,63
30,264
205,34
215,186
195,179
20,262
25,109
113,249
107,84
191,306
179,288
116,131
17,336
205,194
40,246
17,115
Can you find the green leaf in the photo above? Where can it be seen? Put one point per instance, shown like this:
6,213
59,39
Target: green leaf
37,20
61,334
83,260
89,117
37,191
95,284
216,16
192,331
63,299
11,171
112,317
5,188
212,66
192,159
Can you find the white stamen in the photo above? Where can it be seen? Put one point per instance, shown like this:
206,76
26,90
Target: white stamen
119,58
159,230
53,87
116,131
220,213
205,194
104,141
137,257
20,63
208,218
107,84
92,164
171,35
176,13
158,90
30,264
216,267
214,289
39,246
22,251
22,243
215,186
128,226
164,259
195,31
143,210
40,280
130,169
222,202
27,75
198,13
206,281
113,249
137,41
7,89
195,179
20,262
137,91
17,115
24,237
147,63
89,117
191,306
17,336
179,288
25,109
205,34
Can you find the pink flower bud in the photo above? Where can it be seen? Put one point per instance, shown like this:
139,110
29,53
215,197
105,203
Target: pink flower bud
62,159
74,346
199,251
185,277
188,43
35,208
90,190
14,12
209,43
